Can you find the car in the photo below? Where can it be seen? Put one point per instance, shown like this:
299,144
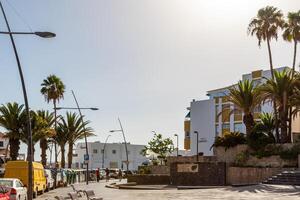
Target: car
49,179
15,188
114,173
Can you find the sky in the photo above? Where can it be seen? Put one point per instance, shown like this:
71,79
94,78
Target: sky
141,60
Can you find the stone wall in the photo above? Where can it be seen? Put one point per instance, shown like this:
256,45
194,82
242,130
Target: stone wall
249,175
190,159
149,179
159,169
229,156
198,174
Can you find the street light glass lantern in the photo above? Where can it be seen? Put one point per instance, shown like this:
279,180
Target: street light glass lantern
45,34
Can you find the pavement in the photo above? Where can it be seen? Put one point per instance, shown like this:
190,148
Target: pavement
253,192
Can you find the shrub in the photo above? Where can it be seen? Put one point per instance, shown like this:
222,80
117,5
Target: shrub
267,151
229,140
241,158
291,153
258,140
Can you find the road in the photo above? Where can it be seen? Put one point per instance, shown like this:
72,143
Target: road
265,192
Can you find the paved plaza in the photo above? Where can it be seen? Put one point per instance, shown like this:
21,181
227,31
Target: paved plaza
265,192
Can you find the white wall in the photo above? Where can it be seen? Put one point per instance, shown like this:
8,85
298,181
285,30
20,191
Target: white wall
203,121
95,152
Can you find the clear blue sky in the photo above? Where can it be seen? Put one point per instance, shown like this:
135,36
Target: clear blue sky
140,60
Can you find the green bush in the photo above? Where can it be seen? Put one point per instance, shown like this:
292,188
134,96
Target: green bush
241,158
258,140
267,151
291,153
229,140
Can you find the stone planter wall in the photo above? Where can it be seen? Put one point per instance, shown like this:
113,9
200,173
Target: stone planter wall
149,179
198,174
249,175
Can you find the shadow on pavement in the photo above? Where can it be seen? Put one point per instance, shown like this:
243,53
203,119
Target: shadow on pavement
292,190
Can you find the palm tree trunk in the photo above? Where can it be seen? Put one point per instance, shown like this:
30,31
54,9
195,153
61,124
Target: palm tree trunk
249,123
14,146
43,146
270,58
70,155
55,146
291,109
63,161
274,102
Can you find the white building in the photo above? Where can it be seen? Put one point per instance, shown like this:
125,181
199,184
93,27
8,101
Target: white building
114,155
205,118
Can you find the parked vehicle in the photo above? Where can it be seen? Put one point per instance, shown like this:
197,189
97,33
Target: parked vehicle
14,188
4,193
49,180
114,173
19,170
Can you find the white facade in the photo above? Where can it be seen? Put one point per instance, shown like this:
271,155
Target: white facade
206,117
114,155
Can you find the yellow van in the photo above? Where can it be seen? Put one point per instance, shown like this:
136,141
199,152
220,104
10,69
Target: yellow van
19,169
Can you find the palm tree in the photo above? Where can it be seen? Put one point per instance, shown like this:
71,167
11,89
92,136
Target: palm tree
69,131
280,89
53,90
12,118
245,98
265,26
292,34
266,125
49,132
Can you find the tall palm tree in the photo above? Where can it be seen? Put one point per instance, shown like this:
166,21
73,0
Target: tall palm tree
292,34
245,98
49,133
12,118
280,89
53,90
70,130
265,27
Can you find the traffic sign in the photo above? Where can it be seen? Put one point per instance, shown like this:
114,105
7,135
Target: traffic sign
86,157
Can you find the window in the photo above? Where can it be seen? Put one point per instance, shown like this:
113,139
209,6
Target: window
217,130
114,151
75,155
239,127
102,150
95,151
225,128
1,144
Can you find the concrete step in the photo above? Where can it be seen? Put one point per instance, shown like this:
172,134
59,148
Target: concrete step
285,178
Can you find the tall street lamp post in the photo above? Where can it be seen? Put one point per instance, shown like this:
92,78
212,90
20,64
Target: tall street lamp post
29,133
125,143
103,150
196,132
86,157
176,135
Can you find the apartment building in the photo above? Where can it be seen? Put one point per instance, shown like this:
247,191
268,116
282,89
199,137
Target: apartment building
211,117
109,155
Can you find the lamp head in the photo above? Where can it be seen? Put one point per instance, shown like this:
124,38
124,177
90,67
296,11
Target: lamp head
45,34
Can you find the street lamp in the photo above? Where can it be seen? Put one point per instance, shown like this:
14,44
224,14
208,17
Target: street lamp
125,143
29,133
70,108
86,157
196,132
176,135
104,150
